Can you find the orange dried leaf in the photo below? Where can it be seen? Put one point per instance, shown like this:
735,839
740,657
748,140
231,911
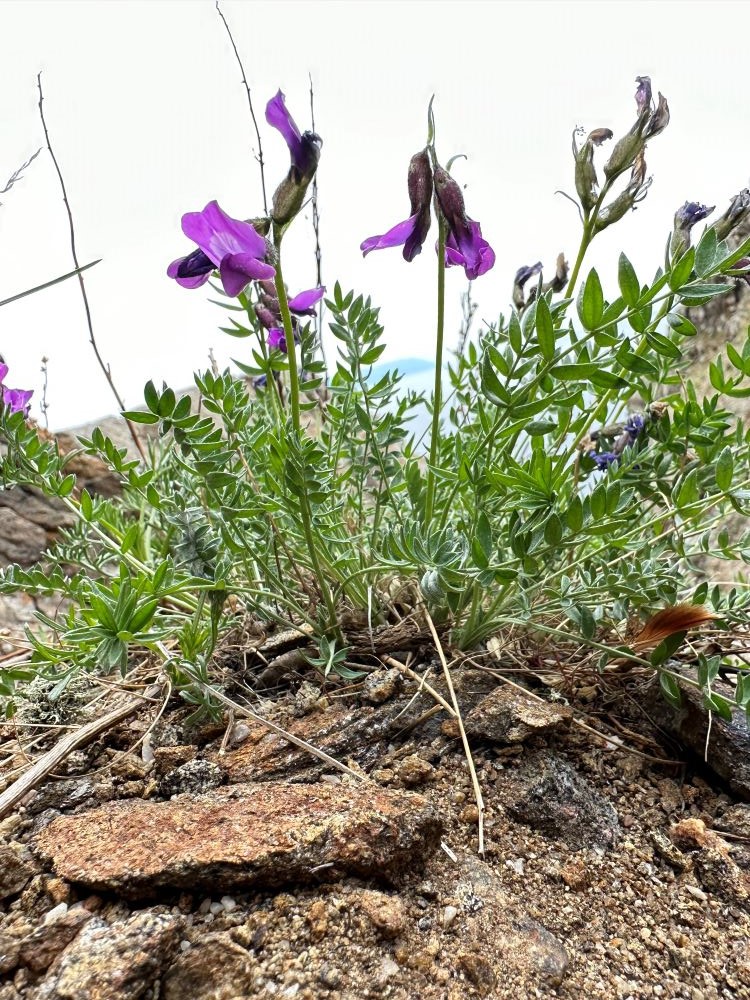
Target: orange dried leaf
678,618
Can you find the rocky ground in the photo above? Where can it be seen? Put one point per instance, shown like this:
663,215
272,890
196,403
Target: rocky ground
217,861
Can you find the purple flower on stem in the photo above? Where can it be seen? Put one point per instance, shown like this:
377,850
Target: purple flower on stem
303,304
277,340
412,232
17,400
603,459
232,246
304,149
464,244
475,254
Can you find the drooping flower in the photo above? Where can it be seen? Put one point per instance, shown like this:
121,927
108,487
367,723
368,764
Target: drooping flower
412,232
465,244
17,400
232,246
304,149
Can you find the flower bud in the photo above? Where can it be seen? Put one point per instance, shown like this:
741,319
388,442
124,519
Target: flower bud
685,218
522,276
585,173
734,215
450,199
649,123
419,184
635,192
289,195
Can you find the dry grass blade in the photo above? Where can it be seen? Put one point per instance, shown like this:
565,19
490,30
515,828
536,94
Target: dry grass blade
464,739
46,764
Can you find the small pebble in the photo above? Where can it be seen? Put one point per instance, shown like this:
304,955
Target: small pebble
55,913
228,903
216,908
185,946
515,865
449,915
697,893
205,906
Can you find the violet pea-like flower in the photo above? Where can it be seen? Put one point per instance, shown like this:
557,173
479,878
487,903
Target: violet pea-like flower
276,340
17,400
304,150
464,244
303,304
232,246
412,232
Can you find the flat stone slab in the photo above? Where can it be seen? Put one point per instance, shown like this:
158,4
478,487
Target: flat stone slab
264,834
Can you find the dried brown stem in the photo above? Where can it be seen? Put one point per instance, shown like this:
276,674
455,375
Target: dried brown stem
92,339
259,157
46,764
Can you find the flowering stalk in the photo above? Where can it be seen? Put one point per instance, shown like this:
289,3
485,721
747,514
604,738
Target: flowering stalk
438,390
304,500
286,319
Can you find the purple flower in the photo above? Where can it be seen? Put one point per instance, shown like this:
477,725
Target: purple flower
232,246
17,400
603,459
474,254
277,340
464,244
304,149
412,232
303,304
633,426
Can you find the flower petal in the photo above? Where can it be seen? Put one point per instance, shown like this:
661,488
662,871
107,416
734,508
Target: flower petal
279,118
3,372
395,237
276,340
17,399
239,269
218,234
471,250
303,303
191,271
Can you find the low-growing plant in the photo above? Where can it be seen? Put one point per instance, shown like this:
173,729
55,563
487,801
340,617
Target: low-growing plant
574,480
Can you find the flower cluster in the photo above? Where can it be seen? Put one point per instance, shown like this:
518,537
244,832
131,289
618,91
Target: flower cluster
15,399
465,245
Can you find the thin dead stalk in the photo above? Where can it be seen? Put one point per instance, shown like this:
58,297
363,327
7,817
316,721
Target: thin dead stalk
92,339
259,157
464,739
46,764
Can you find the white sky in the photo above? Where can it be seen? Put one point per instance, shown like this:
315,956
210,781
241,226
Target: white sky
148,118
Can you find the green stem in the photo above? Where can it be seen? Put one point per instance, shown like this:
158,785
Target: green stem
304,500
437,392
291,350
